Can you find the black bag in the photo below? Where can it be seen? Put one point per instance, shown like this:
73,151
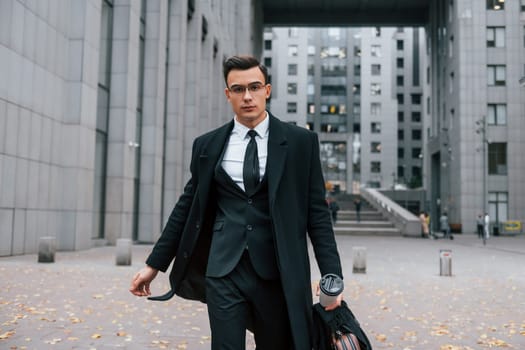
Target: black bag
338,329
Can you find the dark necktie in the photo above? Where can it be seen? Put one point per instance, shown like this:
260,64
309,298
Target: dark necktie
250,173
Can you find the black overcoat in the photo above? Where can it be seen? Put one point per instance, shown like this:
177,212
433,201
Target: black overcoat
297,209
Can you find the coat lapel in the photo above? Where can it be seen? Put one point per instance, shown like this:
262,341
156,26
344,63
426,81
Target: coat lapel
277,150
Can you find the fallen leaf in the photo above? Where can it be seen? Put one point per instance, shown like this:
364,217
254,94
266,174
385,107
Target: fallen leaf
76,320
96,336
7,335
381,337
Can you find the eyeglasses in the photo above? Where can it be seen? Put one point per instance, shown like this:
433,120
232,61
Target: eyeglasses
252,89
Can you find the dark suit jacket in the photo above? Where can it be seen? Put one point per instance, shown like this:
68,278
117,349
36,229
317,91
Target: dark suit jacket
297,207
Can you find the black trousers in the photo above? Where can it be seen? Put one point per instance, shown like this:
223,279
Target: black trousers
480,231
242,299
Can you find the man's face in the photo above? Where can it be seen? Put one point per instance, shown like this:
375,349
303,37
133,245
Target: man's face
247,93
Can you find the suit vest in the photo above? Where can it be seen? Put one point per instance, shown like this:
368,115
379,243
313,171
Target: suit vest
242,223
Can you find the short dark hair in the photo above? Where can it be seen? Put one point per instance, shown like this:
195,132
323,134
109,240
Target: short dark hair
242,62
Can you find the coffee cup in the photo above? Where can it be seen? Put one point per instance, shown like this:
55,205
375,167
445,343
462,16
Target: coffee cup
330,287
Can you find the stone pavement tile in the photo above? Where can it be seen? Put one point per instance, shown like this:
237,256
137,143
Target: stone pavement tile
82,301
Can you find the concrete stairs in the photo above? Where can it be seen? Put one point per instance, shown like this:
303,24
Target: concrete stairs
372,222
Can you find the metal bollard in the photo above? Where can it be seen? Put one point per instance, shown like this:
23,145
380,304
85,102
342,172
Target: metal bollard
445,262
123,256
359,260
46,249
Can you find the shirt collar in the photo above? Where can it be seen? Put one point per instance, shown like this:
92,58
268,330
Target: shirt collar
261,128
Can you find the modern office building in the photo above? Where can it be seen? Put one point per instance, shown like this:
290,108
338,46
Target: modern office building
99,105
349,85
476,160
100,101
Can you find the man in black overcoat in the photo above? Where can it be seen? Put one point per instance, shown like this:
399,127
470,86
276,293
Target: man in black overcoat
238,233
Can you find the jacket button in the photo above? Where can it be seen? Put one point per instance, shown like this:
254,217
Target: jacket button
250,201
185,255
249,227
197,226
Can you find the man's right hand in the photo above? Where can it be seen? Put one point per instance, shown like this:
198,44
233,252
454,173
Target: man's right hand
142,280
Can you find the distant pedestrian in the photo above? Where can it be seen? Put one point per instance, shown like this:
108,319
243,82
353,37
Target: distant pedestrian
445,227
334,208
480,223
424,224
357,205
427,219
486,223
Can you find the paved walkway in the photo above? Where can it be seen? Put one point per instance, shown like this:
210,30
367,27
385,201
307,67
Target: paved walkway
81,301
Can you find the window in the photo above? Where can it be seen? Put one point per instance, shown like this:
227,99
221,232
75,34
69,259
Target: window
334,33
375,89
267,44
329,128
375,127
400,62
375,51
292,88
291,107
416,171
376,31
496,75
375,147
416,134
333,90
333,70
356,89
333,51
497,114
375,167
102,117
311,108
310,90
416,99
400,116
400,172
400,99
416,151
400,45
400,134
293,32
357,70
400,153
495,5
376,69
292,69
375,108
497,158
416,117
400,81
522,5
292,50
498,206
268,62
495,36
311,50
333,109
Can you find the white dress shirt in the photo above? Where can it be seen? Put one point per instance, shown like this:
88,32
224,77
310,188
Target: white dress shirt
233,159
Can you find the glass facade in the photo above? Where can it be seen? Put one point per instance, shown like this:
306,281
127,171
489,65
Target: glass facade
104,78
